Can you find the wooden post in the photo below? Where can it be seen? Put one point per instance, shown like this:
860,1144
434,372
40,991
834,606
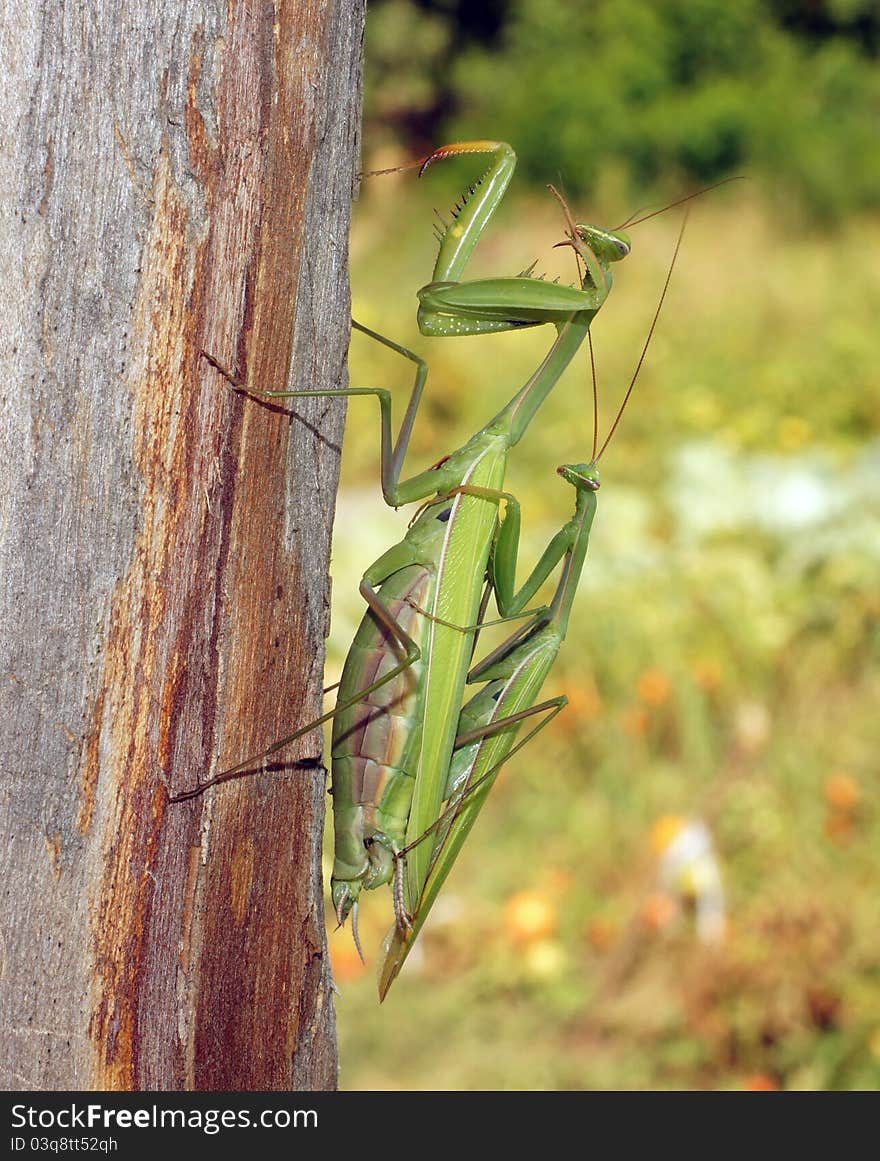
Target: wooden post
176,179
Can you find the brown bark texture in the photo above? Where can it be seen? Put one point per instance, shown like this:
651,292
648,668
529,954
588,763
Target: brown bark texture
176,177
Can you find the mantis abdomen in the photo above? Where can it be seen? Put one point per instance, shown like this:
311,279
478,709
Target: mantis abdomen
376,740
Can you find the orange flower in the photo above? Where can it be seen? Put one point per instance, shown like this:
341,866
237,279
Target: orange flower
761,1082
347,964
842,791
529,916
654,687
584,702
556,881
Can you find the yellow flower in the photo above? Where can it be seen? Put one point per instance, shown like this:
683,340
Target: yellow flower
665,830
544,959
530,916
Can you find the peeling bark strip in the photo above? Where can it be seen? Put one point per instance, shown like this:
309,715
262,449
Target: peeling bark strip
173,183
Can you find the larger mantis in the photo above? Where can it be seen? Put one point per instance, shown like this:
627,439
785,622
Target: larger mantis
395,722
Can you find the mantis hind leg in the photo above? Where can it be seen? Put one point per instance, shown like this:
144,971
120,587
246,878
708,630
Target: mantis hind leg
412,654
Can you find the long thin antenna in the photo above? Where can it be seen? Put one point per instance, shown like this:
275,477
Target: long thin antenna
688,197
632,381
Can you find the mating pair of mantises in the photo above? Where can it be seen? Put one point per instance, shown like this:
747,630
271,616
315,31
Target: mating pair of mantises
412,762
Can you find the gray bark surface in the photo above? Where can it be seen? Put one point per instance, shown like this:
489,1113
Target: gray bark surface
176,177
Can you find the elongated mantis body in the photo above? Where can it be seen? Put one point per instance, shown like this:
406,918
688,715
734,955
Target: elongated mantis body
403,682
514,674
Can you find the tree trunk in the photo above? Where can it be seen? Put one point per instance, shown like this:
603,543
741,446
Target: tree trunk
177,178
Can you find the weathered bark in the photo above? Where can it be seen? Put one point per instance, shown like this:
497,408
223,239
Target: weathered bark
176,177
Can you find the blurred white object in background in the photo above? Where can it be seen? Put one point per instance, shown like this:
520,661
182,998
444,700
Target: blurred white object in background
690,872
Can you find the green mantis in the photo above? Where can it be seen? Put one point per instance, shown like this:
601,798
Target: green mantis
396,719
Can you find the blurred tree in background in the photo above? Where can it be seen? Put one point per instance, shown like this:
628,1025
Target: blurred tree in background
664,91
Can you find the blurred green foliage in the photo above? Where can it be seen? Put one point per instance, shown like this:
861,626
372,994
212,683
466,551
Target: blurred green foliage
665,92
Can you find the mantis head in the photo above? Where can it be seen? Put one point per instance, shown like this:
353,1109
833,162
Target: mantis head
595,246
584,477
607,245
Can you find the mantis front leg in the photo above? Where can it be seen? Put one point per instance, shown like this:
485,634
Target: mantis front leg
449,307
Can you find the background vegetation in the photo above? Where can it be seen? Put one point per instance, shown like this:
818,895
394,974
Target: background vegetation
722,660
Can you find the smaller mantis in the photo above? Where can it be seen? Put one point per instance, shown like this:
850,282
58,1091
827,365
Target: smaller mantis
514,674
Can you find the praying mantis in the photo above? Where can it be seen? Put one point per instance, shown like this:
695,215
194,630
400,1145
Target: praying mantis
391,754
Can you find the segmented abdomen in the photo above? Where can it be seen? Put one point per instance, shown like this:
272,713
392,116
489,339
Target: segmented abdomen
376,741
